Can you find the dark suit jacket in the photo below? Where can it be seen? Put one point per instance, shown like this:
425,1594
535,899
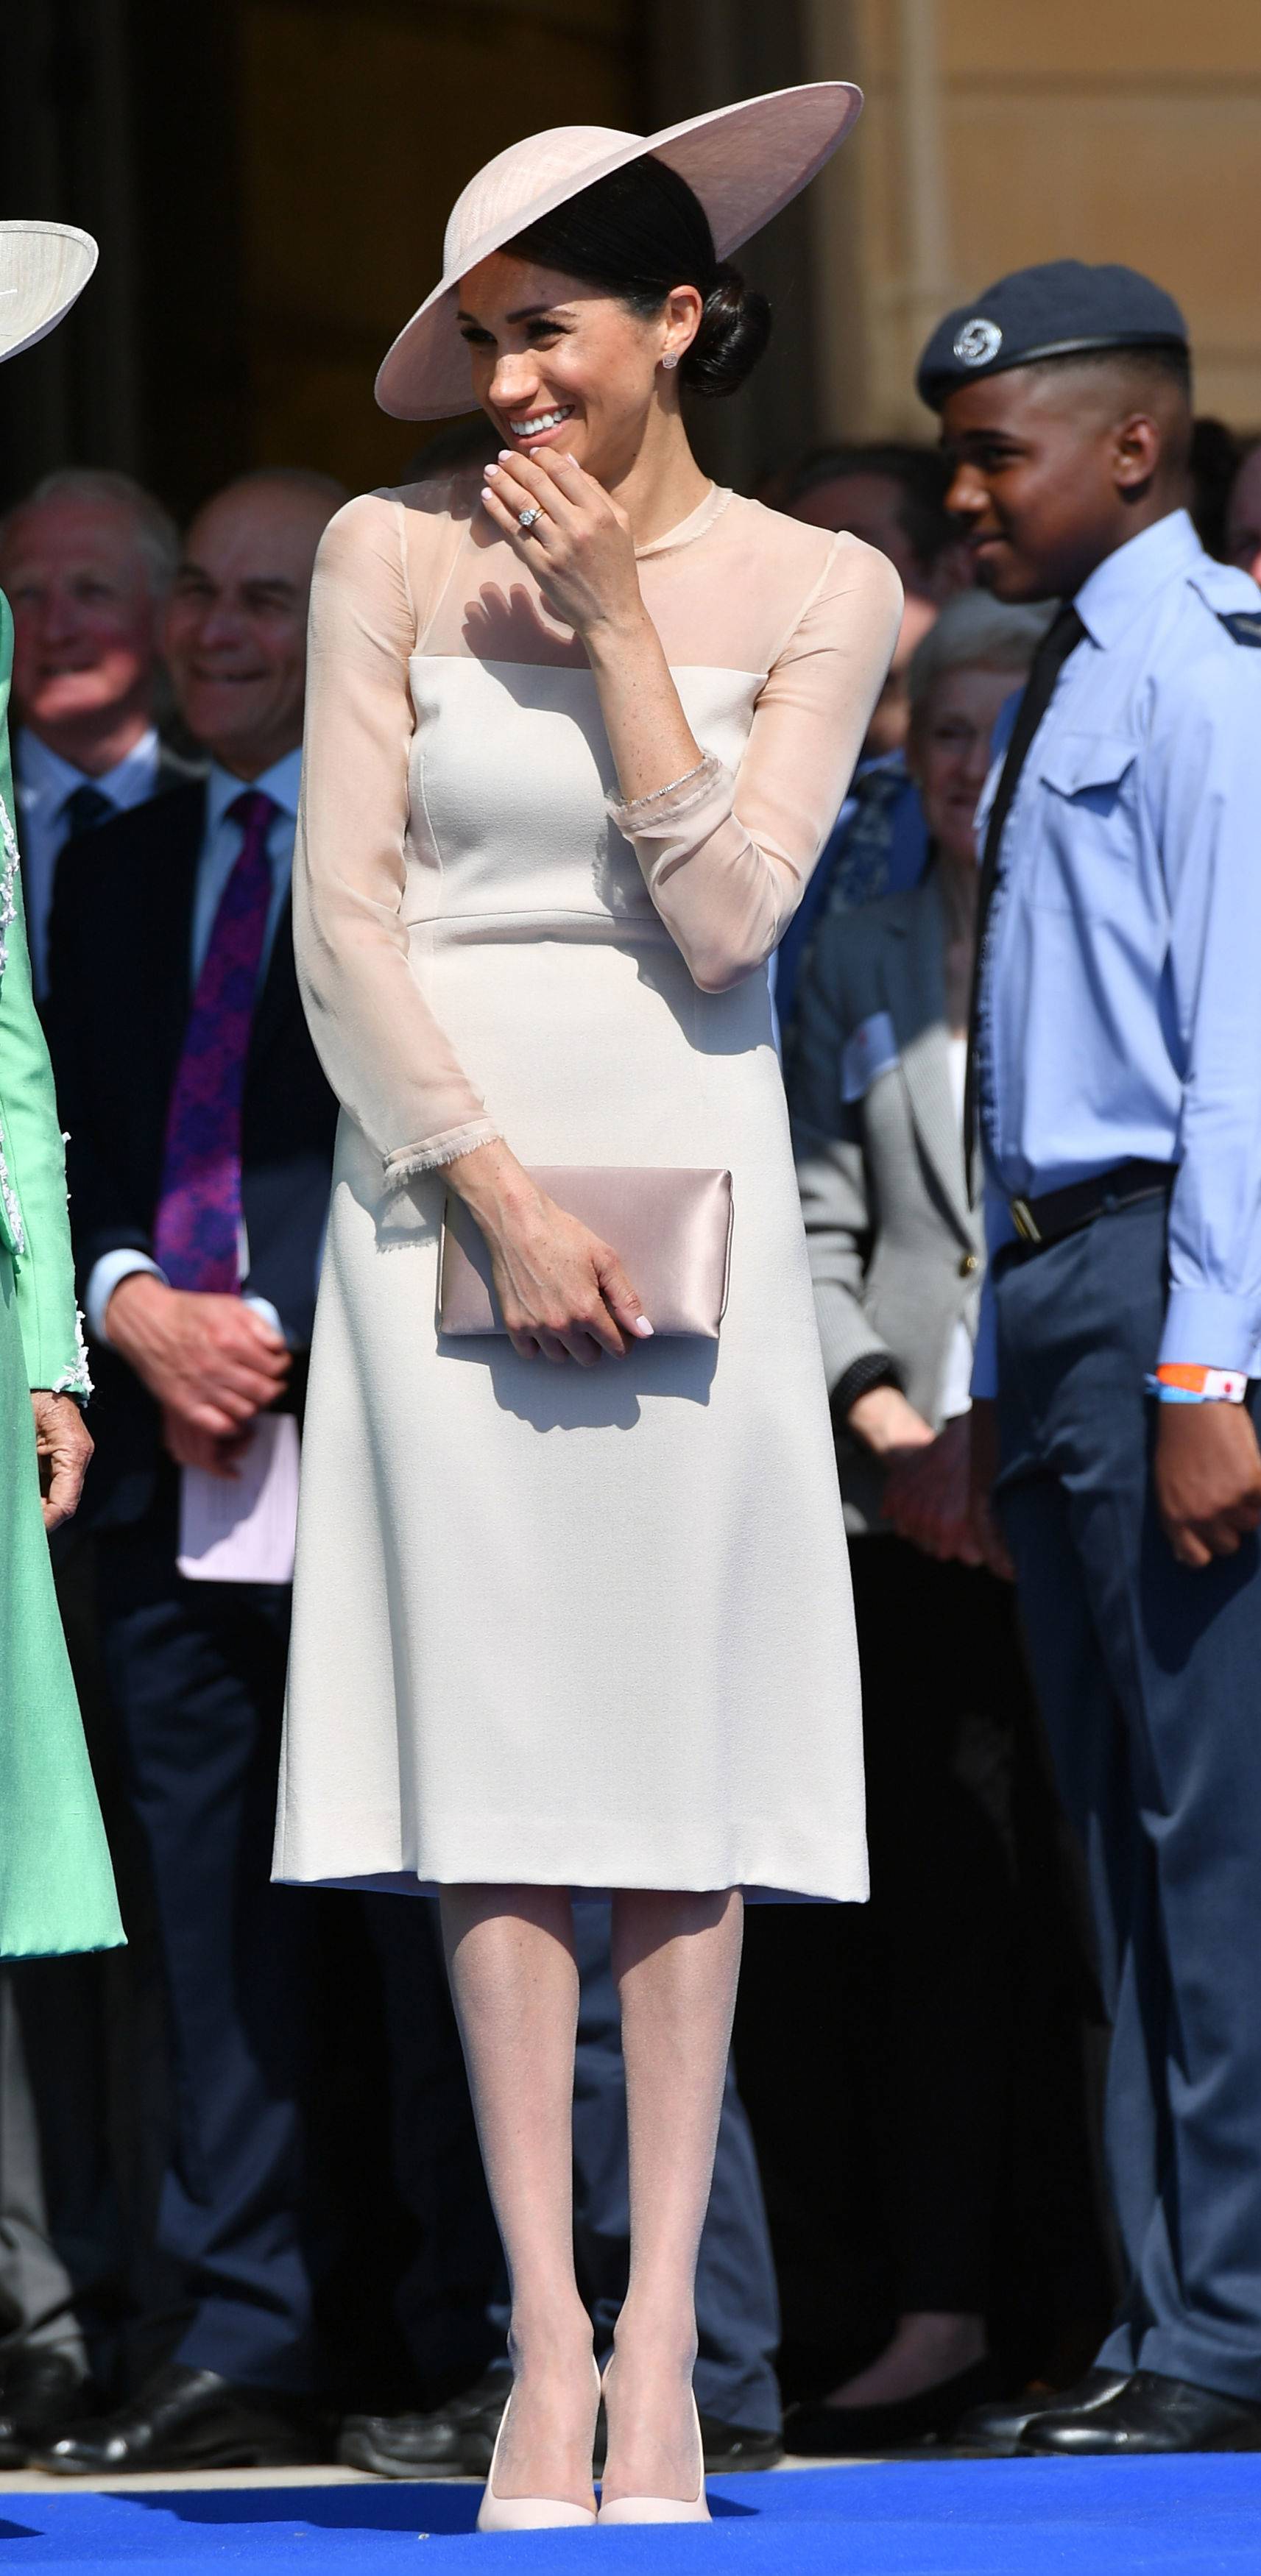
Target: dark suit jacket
119,1002
172,771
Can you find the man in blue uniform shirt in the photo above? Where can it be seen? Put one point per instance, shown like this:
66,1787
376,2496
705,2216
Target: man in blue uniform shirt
1116,1082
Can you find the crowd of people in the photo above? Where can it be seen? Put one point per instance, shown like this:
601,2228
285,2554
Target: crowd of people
242,2212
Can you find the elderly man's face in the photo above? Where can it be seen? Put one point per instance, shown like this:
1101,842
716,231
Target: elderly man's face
236,625
85,620
1243,517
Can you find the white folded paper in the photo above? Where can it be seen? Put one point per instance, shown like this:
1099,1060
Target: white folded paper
241,1529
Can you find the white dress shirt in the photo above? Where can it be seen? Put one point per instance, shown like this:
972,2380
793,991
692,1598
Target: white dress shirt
43,781
220,850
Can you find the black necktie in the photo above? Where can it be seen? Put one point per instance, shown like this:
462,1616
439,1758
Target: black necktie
1065,631
84,808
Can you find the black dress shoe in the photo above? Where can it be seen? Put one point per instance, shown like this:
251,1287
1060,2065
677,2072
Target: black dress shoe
998,2428
455,2441
181,2419
838,2432
732,2447
40,2392
1151,2413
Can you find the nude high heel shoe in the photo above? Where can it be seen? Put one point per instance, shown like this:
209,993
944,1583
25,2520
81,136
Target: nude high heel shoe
530,2513
642,2508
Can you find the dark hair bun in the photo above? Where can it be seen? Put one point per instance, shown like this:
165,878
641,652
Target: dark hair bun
733,331
640,231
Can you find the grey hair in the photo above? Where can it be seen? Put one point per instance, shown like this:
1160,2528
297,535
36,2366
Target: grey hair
288,478
157,536
979,632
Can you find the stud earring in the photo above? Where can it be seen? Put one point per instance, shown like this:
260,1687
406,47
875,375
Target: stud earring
671,358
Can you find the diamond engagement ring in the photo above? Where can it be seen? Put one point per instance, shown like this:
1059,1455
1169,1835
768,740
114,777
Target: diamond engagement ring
526,518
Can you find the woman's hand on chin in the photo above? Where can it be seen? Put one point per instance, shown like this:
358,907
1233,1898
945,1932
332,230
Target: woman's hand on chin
562,1292
580,547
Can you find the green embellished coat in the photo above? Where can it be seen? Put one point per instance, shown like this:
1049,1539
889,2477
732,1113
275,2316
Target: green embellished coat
56,1884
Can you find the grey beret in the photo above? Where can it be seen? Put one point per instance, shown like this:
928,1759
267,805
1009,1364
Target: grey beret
1060,310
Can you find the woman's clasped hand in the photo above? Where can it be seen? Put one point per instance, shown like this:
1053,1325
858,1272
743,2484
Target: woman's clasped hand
579,548
561,1291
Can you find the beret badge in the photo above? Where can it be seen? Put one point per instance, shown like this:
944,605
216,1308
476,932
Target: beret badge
978,342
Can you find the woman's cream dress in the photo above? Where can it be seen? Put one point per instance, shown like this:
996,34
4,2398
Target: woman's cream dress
588,1627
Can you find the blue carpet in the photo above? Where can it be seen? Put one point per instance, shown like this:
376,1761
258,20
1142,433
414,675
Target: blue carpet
1178,2517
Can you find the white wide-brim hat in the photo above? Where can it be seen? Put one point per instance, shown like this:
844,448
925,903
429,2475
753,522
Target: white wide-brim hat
743,162
44,268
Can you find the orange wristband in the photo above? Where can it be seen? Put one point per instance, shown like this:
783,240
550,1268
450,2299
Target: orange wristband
1211,1385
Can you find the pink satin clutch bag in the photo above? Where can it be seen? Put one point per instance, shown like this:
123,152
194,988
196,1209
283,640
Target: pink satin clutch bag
671,1231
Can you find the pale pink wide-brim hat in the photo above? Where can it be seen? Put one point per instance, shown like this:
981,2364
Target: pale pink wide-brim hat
44,268
743,162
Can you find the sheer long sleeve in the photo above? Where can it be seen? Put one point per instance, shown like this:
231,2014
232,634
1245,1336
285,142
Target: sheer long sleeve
725,858
388,1061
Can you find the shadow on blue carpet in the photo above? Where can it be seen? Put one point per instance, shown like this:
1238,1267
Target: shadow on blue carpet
1179,2517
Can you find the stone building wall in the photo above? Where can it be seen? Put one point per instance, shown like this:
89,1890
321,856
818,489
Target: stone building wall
269,181
1004,131
359,127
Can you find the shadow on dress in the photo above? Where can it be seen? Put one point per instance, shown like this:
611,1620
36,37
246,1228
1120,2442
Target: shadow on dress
560,1396
507,631
551,1395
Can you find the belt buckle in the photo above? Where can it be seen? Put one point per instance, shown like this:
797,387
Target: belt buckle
1024,1221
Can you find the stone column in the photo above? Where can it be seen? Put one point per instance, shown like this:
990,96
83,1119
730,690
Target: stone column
881,212
701,54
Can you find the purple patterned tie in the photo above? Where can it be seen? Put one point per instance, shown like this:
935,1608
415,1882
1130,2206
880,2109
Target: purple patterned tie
197,1230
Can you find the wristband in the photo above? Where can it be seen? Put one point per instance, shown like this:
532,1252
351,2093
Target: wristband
1185,1382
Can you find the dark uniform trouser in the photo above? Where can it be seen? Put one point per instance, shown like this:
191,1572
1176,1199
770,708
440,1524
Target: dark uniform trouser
1149,1675
452,2304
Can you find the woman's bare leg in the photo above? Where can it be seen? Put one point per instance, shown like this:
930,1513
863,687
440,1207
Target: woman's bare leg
514,1981
677,1960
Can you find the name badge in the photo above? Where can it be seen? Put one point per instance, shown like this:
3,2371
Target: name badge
871,1050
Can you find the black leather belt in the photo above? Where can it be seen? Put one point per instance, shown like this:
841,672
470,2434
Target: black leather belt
1059,1212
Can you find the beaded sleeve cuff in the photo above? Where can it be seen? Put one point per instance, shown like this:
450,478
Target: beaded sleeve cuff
663,804
410,1161
74,1378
